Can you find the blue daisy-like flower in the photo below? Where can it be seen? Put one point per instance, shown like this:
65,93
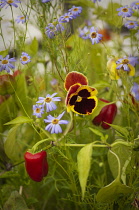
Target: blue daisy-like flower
65,18
75,11
131,24
125,11
135,5
45,1
96,1
21,19
48,101
5,63
38,110
126,62
94,36
135,91
53,29
54,123
9,3
84,33
25,58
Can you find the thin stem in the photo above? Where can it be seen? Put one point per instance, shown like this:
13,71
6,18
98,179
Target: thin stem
13,27
119,164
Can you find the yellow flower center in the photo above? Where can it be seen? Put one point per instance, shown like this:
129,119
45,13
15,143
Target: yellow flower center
137,3
66,16
55,121
10,1
37,110
94,35
22,17
131,23
125,10
4,61
48,99
75,9
79,98
24,58
125,61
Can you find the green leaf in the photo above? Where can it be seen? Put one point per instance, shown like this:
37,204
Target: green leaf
84,163
19,120
98,133
119,148
121,130
8,174
32,49
14,202
4,53
11,146
111,192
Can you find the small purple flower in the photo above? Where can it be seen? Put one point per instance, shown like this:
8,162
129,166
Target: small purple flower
54,123
38,110
131,24
135,91
9,3
135,5
53,29
45,1
21,19
25,58
125,11
75,11
84,33
5,63
125,62
94,36
65,18
48,101
96,1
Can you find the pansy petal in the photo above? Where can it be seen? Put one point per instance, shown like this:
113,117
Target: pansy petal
73,78
71,91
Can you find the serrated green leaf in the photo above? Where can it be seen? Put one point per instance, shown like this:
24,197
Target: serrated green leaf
19,120
15,202
111,192
11,146
84,163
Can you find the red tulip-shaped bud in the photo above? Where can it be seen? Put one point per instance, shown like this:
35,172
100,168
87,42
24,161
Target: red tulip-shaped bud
107,114
36,165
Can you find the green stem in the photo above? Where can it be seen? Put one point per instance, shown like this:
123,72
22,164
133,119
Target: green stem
34,148
119,165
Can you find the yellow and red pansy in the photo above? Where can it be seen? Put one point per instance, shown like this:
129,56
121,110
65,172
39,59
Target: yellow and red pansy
80,98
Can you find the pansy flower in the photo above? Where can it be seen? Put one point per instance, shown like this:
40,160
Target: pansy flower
65,18
94,36
25,58
54,123
9,3
131,24
5,63
135,5
125,11
126,64
38,110
80,98
21,19
75,11
49,101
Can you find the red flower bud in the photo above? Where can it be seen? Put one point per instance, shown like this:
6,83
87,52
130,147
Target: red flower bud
107,114
36,165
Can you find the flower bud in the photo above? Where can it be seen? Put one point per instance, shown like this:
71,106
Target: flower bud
36,165
107,114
